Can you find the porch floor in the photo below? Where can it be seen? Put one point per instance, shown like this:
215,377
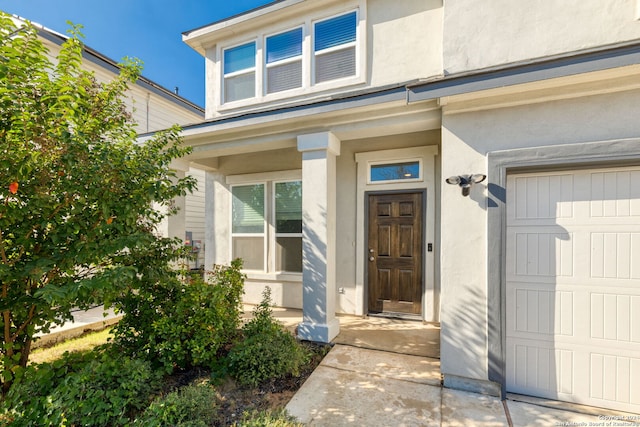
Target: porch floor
375,333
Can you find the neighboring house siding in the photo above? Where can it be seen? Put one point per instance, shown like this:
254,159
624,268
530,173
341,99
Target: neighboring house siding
152,110
156,113
486,34
194,215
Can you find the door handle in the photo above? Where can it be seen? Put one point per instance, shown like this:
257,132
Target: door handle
372,258
370,250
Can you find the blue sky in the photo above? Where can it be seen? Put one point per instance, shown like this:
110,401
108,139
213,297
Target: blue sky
150,30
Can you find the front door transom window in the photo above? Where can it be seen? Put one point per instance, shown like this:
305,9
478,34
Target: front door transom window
397,171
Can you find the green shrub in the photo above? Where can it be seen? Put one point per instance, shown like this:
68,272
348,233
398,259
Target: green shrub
267,419
29,399
181,321
267,350
194,405
94,389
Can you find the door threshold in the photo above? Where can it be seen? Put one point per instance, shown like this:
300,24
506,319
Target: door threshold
400,316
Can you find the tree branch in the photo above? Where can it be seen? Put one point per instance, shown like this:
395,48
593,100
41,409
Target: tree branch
24,325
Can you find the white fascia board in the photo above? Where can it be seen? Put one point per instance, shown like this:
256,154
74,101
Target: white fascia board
200,38
363,105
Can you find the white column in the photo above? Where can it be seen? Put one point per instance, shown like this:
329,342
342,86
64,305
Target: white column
319,151
217,210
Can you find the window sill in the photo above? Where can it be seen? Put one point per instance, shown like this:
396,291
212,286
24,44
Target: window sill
279,277
291,96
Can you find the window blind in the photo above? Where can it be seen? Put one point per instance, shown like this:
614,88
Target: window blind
284,46
248,209
335,32
239,87
288,207
284,77
335,64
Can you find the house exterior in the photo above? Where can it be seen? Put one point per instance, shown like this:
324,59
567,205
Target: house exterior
331,128
153,108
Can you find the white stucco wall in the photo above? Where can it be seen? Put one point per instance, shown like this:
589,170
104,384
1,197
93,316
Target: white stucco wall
348,204
398,42
287,292
466,140
404,40
485,34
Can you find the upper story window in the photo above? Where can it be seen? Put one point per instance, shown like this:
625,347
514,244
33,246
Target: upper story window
240,72
334,47
324,53
284,61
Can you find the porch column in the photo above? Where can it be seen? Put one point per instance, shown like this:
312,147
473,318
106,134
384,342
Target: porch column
319,151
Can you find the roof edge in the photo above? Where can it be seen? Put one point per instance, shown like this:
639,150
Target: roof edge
543,68
106,62
233,17
394,92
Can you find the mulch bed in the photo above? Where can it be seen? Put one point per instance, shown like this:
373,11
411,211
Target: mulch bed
235,400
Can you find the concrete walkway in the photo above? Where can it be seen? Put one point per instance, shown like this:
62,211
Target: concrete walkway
94,319
386,372
363,387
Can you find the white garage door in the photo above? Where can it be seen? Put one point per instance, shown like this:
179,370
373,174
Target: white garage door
573,286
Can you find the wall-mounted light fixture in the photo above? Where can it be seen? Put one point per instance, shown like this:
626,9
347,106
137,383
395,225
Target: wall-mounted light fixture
466,181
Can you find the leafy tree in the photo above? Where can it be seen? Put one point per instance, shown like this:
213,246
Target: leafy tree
77,193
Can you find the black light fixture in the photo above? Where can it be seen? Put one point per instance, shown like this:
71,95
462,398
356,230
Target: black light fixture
466,181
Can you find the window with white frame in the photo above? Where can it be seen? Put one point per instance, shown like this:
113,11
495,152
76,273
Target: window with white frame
240,72
248,227
284,61
288,226
383,172
287,64
268,243
334,47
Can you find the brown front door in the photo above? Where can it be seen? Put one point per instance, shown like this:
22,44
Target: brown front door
394,254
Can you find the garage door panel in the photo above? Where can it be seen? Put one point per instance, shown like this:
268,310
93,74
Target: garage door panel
544,254
541,254
547,370
573,286
615,317
613,193
554,372
615,255
543,197
612,378
542,312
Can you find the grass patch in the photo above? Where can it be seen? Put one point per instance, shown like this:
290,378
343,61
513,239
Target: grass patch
83,343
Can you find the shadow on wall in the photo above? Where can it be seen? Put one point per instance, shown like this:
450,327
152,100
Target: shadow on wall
314,277
459,341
